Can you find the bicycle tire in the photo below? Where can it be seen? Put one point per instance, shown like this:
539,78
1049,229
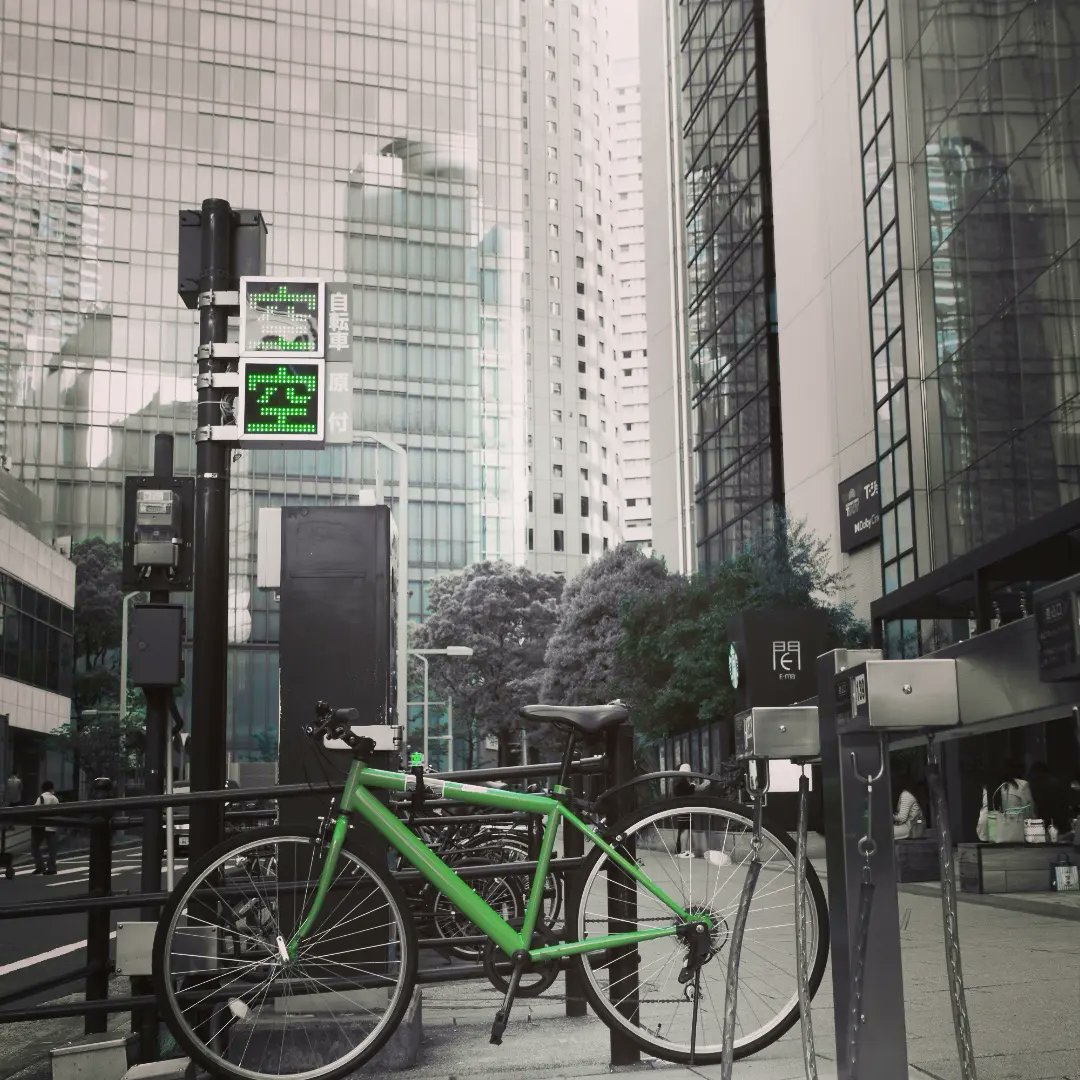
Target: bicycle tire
587,909
404,944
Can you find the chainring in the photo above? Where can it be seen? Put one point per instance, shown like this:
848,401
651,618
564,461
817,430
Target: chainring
535,979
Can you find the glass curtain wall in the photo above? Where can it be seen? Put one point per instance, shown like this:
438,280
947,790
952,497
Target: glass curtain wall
115,115
731,278
998,154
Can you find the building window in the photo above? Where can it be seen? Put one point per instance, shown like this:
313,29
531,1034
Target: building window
553,152
549,51
530,502
584,505
582,394
553,255
581,289
551,126
581,314
556,415
554,333
557,504
553,228
605,543
552,101
554,307
556,361
584,543
579,261
549,76
553,203
556,442
558,540
556,388
604,511
581,366
553,177
554,282
583,447
629,427
579,236
603,374
556,470
631,502
585,475
583,420
628,371
603,479
581,340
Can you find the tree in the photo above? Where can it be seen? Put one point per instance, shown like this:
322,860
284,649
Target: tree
505,614
582,660
675,643
104,745
98,615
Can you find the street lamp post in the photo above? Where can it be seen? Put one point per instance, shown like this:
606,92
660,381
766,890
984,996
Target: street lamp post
124,651
422,655
403,566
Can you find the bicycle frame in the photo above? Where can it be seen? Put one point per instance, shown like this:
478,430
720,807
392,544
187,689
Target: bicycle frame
358,799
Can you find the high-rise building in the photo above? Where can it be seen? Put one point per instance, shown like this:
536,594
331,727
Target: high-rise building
573,282
912,169
450,160
633,373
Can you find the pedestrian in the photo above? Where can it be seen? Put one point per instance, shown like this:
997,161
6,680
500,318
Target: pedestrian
13,789
46,833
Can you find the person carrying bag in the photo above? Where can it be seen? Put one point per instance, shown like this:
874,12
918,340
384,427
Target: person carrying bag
1007,809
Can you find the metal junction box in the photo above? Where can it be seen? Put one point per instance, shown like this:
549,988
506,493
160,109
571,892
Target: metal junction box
158,535
778,732
897,695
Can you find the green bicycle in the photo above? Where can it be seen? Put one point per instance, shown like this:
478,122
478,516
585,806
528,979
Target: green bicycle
289,953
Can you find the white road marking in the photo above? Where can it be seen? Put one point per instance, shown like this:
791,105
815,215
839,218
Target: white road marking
41,958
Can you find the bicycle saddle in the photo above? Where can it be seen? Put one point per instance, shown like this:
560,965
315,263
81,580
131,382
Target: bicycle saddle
587,719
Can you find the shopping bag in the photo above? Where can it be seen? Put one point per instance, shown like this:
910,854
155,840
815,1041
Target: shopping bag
1066,875
1004,827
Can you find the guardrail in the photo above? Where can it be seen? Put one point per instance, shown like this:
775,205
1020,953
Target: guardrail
103,816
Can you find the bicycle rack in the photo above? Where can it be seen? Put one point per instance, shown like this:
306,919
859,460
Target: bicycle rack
789,733
862,700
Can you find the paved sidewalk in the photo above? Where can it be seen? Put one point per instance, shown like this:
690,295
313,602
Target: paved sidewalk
1022,973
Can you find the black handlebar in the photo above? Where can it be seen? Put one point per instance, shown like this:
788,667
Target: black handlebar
337,724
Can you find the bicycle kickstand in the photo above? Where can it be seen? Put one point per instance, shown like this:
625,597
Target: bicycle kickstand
502,1017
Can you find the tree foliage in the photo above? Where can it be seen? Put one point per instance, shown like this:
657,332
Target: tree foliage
581,665
98,599
104,745
505,614
675,643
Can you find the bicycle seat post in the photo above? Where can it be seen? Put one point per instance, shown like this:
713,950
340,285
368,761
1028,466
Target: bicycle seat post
562,787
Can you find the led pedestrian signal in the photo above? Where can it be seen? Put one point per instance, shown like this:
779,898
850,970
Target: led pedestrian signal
282,317
281,401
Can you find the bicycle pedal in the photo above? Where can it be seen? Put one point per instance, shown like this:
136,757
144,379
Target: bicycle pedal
497,1029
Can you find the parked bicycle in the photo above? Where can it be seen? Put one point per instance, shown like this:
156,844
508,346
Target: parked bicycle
288,952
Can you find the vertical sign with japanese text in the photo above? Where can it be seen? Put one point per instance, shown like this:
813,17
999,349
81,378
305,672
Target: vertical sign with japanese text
339,363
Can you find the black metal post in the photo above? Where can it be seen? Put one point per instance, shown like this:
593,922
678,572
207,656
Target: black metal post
622,901
573,847
97,922
157,744
211,593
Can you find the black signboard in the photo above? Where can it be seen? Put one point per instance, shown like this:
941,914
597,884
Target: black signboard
777,649
1057,623
860,509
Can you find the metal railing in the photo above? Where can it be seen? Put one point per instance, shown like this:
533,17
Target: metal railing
102,817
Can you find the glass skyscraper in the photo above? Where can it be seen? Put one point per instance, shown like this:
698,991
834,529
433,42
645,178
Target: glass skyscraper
730,280
387,145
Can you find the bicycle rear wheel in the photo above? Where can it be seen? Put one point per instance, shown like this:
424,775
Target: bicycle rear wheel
642,995
235,1000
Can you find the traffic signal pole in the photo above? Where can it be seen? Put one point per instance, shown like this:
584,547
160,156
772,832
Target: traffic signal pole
211,586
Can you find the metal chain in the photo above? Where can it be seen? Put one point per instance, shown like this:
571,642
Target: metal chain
957,999
801,944
867,847
731,1000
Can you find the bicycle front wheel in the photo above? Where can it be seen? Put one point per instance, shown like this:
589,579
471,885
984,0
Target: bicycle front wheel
697,850
234,998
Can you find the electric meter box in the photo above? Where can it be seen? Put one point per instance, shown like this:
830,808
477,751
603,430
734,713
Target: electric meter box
897,695
775,732
157,527
159,523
